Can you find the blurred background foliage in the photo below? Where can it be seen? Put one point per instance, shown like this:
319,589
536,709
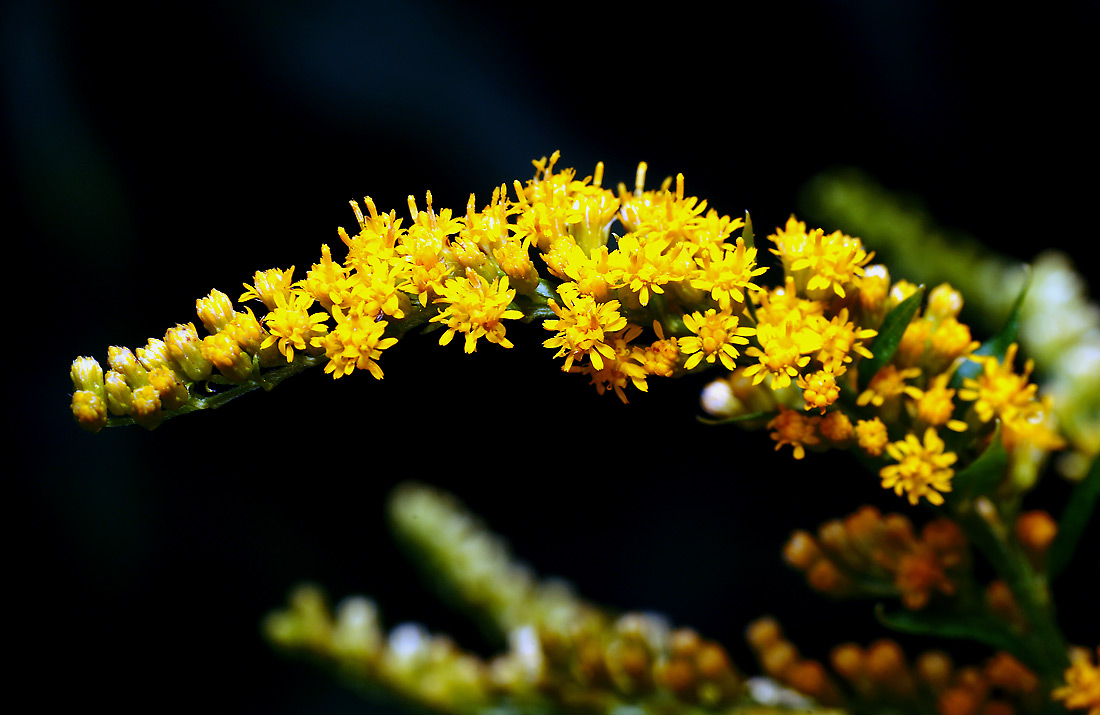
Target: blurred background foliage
159,151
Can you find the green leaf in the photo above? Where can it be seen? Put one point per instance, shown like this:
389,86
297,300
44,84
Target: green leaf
885,344
1074,519
983,474
982,629
997,345
746,232
767,414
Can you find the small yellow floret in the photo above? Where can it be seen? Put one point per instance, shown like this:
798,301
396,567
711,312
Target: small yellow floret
794,428
583,327
292,326
872,437
998,390
477,309
269,283
1082,688
355,342
923,469
716,334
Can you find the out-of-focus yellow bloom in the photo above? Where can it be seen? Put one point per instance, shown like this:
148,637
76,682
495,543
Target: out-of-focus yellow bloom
998,390
923,469
794,428
934,406
1082,688
819,389
888,383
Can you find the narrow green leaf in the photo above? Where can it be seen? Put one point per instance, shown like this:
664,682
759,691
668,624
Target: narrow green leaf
997,345
1074,519
885,344
982,629
746,232
983,474
767,414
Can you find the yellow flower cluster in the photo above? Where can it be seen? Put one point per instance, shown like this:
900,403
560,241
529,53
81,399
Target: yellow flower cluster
837,354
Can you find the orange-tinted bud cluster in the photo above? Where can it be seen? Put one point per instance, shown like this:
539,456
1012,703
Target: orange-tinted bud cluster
880,678
780,659
868,553
637,657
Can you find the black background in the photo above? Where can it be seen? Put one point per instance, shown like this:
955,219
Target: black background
161,152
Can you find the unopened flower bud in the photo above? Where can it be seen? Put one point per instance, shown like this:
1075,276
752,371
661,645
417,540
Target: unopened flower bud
186,349
226,355
90,410
123,361
1035,531
119,395
156,353
944,302
87,374
172,391
146,407
215,310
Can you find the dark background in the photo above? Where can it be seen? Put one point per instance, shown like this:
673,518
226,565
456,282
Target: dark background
161,152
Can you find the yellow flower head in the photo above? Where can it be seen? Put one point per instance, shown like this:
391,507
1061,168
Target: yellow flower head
355,342
661,356
998,390
923,469
872,437
476,308
715,336
583,326
326,281
935,406
645,265
819,389
784,349
794,428
291,325
823,265
836,427
888,382
1082,688
625,367
269,283
727,274
839,339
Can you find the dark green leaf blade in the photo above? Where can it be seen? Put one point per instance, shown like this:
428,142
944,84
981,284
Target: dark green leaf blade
983,474
886,343
749,417
982,629
1074,520
746,232
997,345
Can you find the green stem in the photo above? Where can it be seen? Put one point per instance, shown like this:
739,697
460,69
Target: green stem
1046,646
